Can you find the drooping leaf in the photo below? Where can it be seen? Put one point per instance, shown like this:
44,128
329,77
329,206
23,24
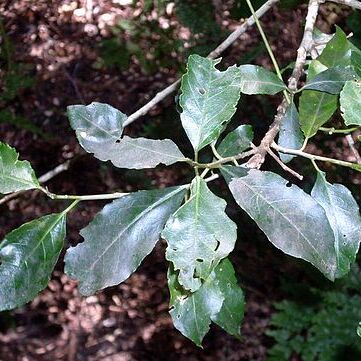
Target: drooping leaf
258,80
120,237
219,299
291,219
356,62
315,110
236,141
290,135
231,314
27,258
199,235
344,216
209,99
331,80
350,103
15,175
99,128
192,313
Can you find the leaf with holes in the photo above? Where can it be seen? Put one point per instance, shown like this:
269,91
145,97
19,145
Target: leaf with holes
258,80
344,216
199,235
28,256
208,100
236,141
99,129
350,103
120,237
219,299
290,135
15,175
291,219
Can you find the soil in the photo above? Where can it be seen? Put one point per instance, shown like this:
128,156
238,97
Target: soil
59,40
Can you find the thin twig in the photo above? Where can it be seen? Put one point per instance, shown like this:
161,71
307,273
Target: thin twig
214,54
306,45
352,3
284,166
355,152
43,179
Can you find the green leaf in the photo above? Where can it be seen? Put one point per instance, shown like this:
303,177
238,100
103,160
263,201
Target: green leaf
344,216
258,80
199,235
290,135
350,103
15,175
315,108
120,237
291,219
28,256
337,52
99,128
356,62
192,313
219,299
231,313
209,99
236,141
331,80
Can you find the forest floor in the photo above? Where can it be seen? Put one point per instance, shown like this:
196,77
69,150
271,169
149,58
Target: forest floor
58,41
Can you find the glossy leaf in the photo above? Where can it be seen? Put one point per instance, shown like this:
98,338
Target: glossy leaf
231,313
290,135
209,99
356,62
258,80
236,141
219,299
192,313
291,219
199,235
28,256
331,80
344,216
350,103
120,237
99,128
15,175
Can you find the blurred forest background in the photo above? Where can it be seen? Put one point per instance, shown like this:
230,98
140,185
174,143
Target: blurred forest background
122,52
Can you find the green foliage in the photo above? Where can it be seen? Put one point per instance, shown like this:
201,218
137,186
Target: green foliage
323,329
321,228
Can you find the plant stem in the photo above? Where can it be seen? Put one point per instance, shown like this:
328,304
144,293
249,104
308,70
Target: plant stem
268,46
332,130
314,157
72,205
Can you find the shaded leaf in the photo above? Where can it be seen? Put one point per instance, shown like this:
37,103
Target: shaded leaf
236,141
350,103
344,216
219,299
28,256
15,175
209,99
191,314
356,62
199,235
99,128
231,313
290,135
291,219
258,80
120,237
331,80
